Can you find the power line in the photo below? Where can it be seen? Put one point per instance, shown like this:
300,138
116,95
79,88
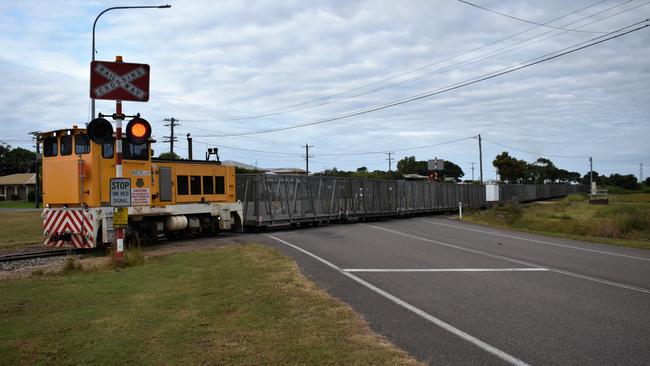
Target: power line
507,70
341,154
305,104
536,153
523,20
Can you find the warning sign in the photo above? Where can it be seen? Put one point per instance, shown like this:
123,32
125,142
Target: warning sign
120,217
140,197
120,192
119,81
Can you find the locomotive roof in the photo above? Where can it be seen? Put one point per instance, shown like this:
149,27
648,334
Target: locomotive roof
76,128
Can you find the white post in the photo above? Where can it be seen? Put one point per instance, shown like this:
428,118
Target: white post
460,210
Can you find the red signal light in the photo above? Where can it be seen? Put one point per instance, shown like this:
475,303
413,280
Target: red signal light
138,131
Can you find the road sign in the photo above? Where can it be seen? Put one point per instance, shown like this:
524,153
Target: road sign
120,217
120,192
119,81
436,164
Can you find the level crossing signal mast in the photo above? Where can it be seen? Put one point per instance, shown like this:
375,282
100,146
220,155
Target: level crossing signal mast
138,131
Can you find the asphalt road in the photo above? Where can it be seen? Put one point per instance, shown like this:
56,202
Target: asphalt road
458,294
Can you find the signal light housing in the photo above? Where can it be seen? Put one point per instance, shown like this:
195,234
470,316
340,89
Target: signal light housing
100,131
138,131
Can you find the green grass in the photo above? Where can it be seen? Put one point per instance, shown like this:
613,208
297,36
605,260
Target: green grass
20,229
624,222
16,204
238,305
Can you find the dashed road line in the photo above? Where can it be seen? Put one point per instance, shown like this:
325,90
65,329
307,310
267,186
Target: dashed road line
446,326
535,240
509,259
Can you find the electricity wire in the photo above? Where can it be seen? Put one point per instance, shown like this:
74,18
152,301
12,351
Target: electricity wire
524,20
535,153
305,104
507,70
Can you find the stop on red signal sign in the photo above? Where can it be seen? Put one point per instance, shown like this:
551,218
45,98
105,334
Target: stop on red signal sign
119,81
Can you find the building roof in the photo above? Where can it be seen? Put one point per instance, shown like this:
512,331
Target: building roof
18,179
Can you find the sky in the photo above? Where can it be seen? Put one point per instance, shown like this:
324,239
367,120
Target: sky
238,67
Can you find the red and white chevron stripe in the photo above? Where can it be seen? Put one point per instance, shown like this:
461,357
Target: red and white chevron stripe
68,226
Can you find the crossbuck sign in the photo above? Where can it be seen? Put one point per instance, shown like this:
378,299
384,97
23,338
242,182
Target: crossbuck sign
119,81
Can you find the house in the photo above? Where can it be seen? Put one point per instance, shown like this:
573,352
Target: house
17,186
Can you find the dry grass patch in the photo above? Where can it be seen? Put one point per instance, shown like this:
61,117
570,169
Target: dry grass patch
625,221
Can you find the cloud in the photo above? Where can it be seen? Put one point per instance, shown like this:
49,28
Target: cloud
214,61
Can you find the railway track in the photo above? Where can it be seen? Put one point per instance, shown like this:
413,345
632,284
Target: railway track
41,254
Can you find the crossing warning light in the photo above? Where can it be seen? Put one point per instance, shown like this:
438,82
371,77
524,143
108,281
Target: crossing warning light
138,131
100,131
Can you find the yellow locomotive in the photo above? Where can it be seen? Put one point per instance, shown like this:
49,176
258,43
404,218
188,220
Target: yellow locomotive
168,197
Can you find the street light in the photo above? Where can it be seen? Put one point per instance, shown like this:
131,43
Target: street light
113,8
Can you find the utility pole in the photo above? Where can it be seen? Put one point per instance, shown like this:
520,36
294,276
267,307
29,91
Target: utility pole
591,175
472,170
641,173
37,186
189,147
307,146
171,138
480,156
390,160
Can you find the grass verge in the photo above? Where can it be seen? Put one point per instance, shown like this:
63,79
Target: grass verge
237,305
624,222
16,204
20,229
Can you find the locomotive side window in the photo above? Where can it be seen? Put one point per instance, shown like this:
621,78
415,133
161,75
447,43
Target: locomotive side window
81,144
221,186
66,145
135,152
195,184
50,146
107,149
182,185
208,185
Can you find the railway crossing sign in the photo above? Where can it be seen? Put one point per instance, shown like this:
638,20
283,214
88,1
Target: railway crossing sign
120,192
119,81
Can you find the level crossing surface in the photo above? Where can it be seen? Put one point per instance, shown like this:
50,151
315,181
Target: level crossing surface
455,293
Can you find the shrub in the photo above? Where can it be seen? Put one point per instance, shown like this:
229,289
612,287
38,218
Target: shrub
575,198
72,265
630,220
132,258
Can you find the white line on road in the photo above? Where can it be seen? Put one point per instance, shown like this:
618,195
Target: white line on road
534,240
527,269
477,342
573,274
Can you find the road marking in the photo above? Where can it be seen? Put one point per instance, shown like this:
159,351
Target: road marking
475,341
527,269
573,274
535,240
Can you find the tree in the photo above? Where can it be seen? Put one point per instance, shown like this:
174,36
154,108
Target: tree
510,170
628,181
169,156
647,182
451,170
408,165
18,160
